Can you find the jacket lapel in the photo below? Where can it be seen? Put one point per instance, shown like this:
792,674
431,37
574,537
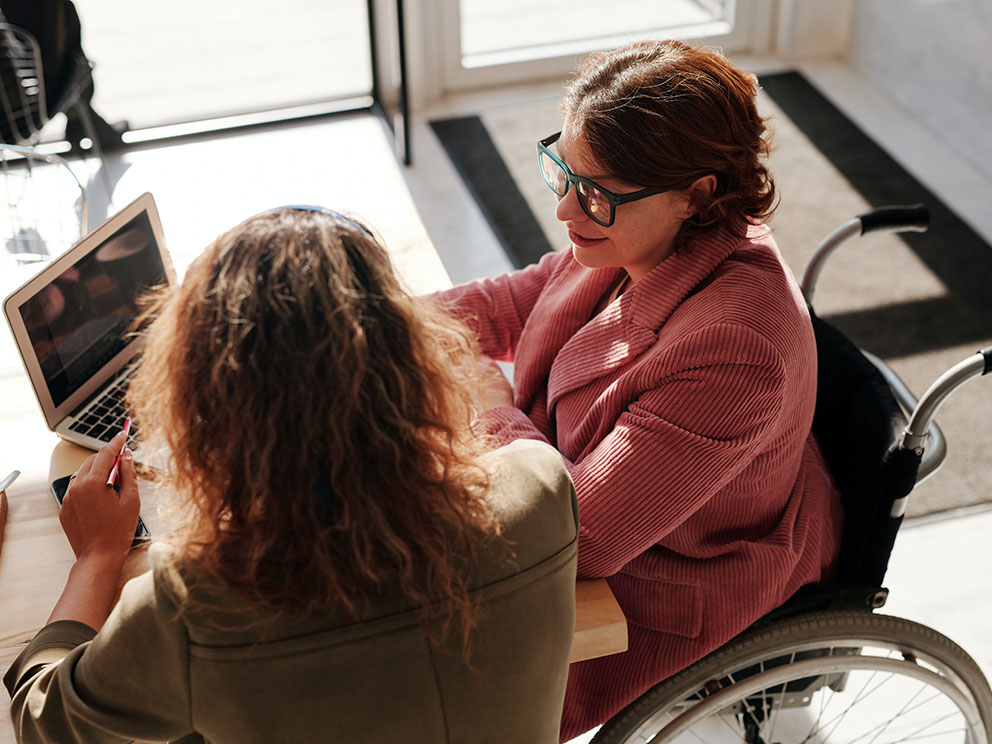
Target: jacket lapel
560,313
626,328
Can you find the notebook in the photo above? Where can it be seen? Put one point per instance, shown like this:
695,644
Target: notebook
72,321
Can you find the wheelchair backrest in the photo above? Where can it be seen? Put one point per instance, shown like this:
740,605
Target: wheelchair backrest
857,424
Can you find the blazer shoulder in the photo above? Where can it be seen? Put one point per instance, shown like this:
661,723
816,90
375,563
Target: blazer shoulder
533,498
169,572
753,287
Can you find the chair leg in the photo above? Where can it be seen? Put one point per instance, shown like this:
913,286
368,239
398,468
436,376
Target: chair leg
85,115
108,136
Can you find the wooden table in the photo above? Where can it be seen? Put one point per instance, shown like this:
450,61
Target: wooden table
600,627
35,559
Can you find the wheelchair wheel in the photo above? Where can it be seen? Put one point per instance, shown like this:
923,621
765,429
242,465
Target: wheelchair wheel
839,677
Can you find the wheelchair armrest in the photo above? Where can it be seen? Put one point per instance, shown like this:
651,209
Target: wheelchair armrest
934,454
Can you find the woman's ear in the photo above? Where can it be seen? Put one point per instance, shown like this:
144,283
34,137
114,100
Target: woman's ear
699,193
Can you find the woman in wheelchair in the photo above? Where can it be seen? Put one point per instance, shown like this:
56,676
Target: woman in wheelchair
669,357
355,564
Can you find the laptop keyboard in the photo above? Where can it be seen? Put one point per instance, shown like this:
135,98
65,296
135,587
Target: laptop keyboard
105,415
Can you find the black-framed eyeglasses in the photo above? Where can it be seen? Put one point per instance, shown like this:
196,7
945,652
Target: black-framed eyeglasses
597,202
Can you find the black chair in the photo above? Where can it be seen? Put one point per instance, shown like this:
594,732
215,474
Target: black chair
27,106
44,207
22,87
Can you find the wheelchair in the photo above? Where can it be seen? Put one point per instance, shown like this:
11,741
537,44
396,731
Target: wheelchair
824,667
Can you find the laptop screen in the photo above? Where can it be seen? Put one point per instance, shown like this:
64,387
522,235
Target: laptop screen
80,320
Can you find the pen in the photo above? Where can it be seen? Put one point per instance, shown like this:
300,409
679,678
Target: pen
3,500
5,483
117,461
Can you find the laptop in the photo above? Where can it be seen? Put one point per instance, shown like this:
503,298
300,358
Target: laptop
72,321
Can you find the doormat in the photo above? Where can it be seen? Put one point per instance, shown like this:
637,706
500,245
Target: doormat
918,300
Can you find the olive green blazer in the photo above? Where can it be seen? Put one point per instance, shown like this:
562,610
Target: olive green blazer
162,668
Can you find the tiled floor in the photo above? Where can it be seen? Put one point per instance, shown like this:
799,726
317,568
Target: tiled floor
939,569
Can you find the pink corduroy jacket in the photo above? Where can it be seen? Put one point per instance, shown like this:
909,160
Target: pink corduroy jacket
683,411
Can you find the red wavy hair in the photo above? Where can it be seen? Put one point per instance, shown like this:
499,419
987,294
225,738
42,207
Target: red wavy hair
318,420
665,113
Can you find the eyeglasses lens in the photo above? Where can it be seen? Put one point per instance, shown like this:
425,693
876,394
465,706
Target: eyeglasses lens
554,176
595,202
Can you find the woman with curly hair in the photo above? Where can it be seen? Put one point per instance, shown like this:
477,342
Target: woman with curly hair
669,357
355,562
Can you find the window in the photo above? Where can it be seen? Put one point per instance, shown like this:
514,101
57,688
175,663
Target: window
185,60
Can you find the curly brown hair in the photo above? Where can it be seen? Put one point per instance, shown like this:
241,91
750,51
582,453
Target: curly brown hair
664,113
318,421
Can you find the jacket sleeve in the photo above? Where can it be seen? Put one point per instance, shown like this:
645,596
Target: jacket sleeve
676,446
129,681
497,309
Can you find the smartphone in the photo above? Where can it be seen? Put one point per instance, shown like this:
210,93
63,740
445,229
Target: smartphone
59,487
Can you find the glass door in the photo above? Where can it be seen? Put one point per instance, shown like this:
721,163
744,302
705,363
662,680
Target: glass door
488,43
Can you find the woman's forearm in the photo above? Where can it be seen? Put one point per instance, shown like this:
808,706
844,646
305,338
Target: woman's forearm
91,590
497,309
99,523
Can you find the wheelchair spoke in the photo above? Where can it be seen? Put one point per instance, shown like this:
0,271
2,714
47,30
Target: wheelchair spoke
731,723
875,680
707,741
863,694
819,717
880,728
918,736
766,713
907,707
775,712
817,728
914,735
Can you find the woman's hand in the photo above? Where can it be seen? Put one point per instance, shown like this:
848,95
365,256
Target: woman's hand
100,526
98,521
496,389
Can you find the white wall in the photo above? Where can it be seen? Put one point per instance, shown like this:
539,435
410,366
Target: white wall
934,58
813,28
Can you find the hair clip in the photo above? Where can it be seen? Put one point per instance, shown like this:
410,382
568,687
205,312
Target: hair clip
329,212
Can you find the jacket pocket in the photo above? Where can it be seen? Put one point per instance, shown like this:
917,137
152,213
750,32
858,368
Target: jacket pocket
659,604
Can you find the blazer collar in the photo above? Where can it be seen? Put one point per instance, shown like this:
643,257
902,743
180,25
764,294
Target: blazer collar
630,325
665,287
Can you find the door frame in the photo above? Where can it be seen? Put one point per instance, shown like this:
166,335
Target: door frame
750,30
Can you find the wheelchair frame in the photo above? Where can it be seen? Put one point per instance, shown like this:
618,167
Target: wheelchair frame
826,643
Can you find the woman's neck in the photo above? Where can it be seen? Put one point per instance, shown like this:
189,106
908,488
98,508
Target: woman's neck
620,288
616,289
